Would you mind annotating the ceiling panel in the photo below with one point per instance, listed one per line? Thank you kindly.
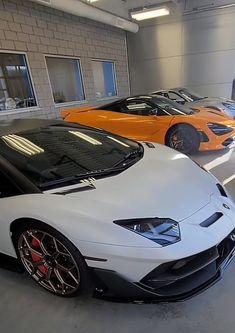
(122, 7)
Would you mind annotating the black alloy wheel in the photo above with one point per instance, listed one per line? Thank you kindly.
(183, 138)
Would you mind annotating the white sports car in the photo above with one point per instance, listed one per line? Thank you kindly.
(83, 209)
(193, 100)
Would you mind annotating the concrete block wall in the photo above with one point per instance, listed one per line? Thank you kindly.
(39, 31)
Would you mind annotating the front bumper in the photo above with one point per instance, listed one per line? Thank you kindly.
(169, 282)
(210, 141)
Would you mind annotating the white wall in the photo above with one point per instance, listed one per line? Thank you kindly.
(196, 50)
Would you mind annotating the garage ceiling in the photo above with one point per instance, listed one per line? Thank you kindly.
(122, 7)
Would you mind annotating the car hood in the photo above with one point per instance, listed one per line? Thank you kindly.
(164, 183)
(211, 115)
(210, 101)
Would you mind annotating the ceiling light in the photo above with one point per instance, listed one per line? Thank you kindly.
(86, 137)
(92, 1)
(118, 141)
(146, 14)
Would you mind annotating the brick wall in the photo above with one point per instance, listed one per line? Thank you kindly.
(38, 30)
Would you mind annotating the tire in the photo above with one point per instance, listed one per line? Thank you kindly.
(183, 138)
(51, 260)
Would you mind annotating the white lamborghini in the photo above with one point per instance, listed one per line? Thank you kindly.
(85, 210)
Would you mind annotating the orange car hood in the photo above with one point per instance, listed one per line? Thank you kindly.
(213, 116)
(66, 112)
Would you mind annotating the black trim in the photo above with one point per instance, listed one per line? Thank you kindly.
(95, 259)
(149, 144)
(171, 282)
(77, 189)
(228, 142)
(203, 136)
(24, 185)
(211, 220)
(10, 263)
(222, 190)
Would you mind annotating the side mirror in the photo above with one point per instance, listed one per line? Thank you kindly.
(153, 112)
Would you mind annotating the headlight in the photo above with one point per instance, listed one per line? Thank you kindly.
(219, 129)
(159, 230)
(230, 106)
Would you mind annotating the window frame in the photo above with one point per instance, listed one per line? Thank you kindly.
(28, 109)
(141, 101)
(11, 182)
(72, 103)
(176, 93)
(114, 76)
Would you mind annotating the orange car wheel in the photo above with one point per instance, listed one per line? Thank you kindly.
(183, 138)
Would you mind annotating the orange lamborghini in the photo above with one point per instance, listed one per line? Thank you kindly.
(158, 119)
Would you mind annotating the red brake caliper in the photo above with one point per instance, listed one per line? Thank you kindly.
(36, 258)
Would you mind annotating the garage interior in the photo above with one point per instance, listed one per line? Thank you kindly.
(57, 54)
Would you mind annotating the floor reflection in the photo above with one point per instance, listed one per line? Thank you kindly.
(221, 164)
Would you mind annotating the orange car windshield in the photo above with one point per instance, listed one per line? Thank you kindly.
(172, 108)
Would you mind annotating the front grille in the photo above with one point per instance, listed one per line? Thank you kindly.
(183, 276)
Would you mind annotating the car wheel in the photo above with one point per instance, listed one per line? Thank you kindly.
(183, 138)
(51, 260)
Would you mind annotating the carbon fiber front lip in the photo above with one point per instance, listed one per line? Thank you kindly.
(121, 290)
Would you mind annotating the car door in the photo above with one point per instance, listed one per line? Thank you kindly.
(139, 119)
(8, 201)
(136, 121)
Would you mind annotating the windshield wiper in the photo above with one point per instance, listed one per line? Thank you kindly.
(118, 167)
(130, 156)
(79, 177)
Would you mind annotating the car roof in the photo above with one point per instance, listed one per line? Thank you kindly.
(21, 125)
(166, 90)
(129, 98)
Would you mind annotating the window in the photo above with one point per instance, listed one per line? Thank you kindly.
(56, 154)
(16, 89)
(7, 189)
(138, 107)
(104, 78)
(66, 79)
(173, 96)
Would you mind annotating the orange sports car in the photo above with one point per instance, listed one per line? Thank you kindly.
(158, 119)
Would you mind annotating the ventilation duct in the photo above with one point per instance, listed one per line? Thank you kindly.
(82, 9)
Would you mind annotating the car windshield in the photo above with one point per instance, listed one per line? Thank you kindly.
(61, 154)
(172, 108)
(189, 95)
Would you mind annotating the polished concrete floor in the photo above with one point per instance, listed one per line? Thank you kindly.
(25, 307)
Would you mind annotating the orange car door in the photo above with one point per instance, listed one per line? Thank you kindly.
(140, 122)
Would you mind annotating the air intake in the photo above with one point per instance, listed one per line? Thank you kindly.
(211, 220)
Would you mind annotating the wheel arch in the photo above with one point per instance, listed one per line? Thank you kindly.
(17, 222)
(175, 125)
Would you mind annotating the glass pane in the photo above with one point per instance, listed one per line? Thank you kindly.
(66, 80)
(58, 153)
(104, 79)
(16, 89)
